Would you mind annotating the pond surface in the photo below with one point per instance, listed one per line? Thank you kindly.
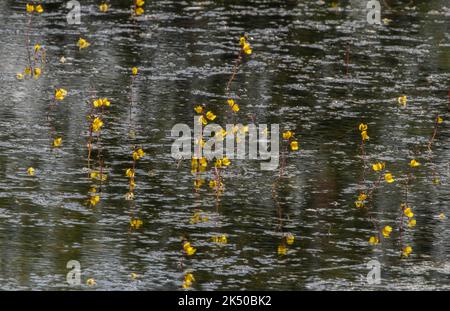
(296, 77)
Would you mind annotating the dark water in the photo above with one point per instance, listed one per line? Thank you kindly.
(296, 77)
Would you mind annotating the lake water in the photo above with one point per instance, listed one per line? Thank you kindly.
(296, 77)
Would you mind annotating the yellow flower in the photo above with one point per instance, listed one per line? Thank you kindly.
(202, 120)
(139, 11)
(290, 239)
(19, 76)
(37, 72)
(218, 163)
(363, 127)
(213, 183)
(226, 161)
(98, 176)
(188, 279)
(221, 239)
(247, 49)
(233, 105)
(359, 204)
(388, 177)
(94, 200)
(91, 282)
(189, 249)
(82, 43)
(138, 154)
(439, 120)
(37, 47)
(30, 171)
(104, 7)
(136, 223)
(30, 8)
(442, 216)
(140, 2)
(203, 161)
(129, 173)
(57, 142)
(386, 231)
(39, 8)
(287, 135)
(294, 145)
(436, 181)
(364, 136)
(362, 196)
(198, 109)
(129, 196)
(134, 71)
(407, 251)
(373, 240)
(97, 124)
(378, 166)
(414, 163)
(134, 276)
(198, 183)
(408, 213)
(27, 71)
(60, 94)
(211, 116)
(282, 249)
(412, 223)
(402, 100)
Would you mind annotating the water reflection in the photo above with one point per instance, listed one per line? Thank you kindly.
(296, 77)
